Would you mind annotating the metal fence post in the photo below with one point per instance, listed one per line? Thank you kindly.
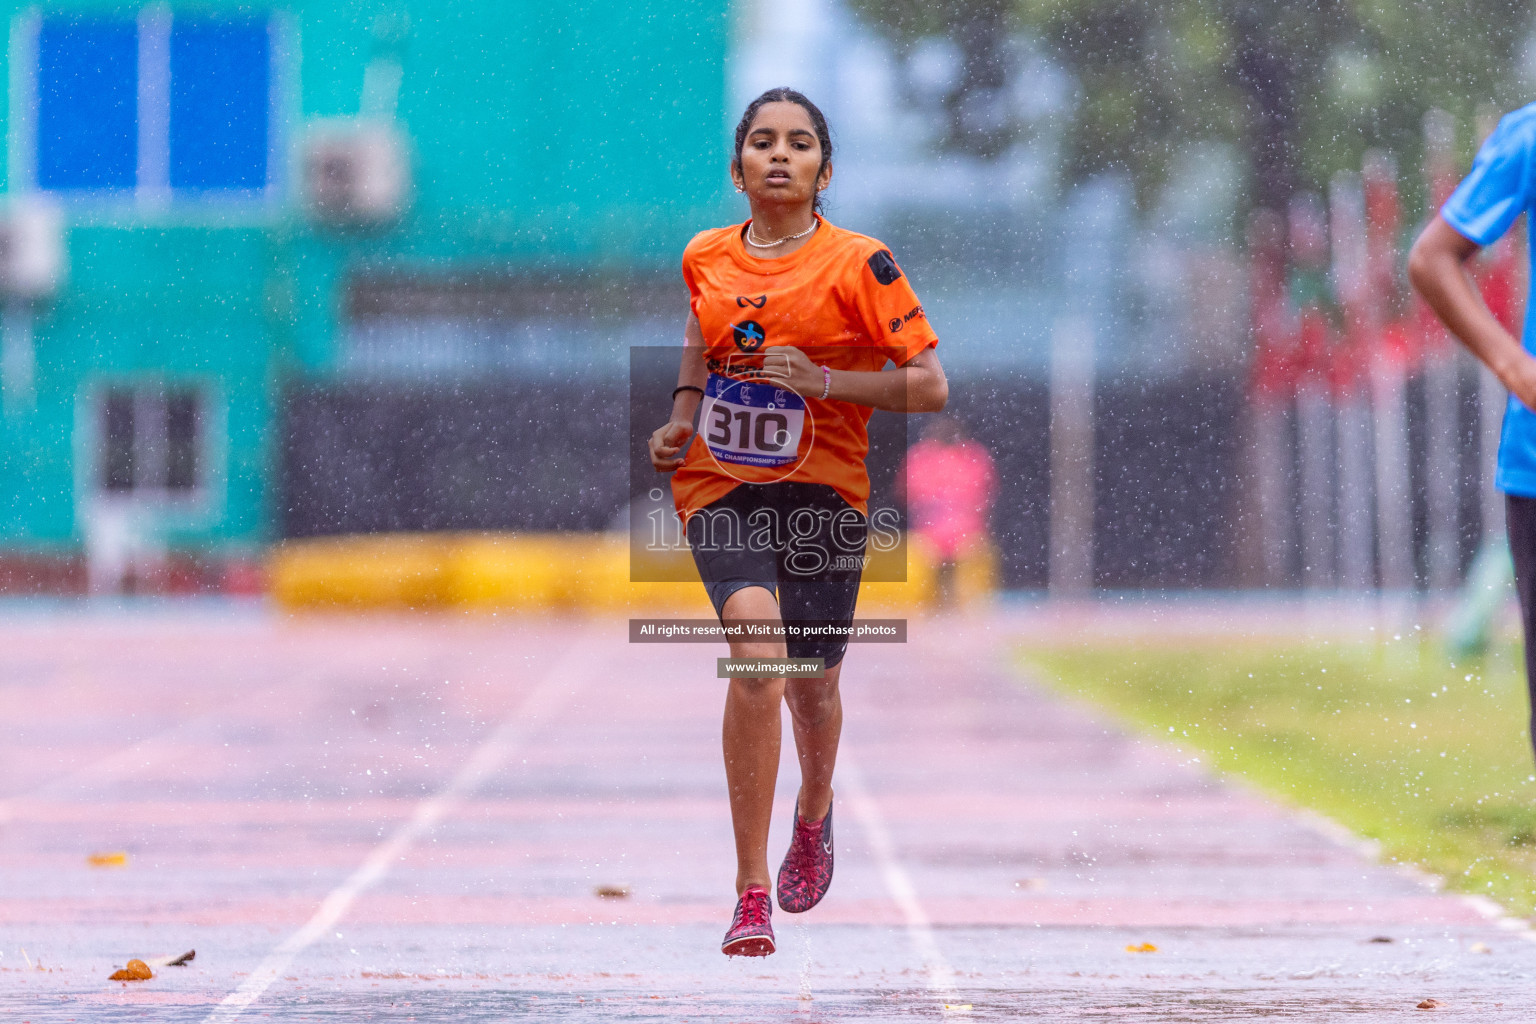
(1072, 492)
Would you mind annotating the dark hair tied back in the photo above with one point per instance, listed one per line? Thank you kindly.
(818, 124)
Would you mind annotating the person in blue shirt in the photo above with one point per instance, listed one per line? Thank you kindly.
(1500, 187)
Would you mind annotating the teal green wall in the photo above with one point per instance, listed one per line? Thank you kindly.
(583, 131)
(544, 134)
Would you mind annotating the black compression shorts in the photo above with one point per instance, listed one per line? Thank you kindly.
(802, 542)
(1520, 520)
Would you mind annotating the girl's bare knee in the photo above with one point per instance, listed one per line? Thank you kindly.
(812, 701)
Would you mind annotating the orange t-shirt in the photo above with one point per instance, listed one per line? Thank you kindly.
(842, 300)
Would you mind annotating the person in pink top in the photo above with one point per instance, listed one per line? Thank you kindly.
(949, 483)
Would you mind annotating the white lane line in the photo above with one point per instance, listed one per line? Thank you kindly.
(941, 977)
(112, 768)
(561, 682)
(146, 753)
(1499, 917)
(1371, 850)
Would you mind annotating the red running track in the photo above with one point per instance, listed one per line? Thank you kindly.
(408, 819)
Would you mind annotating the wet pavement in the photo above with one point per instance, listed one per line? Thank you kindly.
(412, 819)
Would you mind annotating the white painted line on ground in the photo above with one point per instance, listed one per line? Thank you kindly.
(1371, 850)
(557, 686)
(146, 753)
(1500, 917)
(941, 977)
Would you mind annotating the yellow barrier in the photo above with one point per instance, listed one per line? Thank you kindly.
(375, 571)
(546, 572)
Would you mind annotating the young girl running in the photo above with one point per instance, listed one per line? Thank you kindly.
(793, 322)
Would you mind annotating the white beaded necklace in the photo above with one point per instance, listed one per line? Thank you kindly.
(787, 238)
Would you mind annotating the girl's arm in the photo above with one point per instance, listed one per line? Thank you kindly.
(1437, 266)
(668, 441)
(917, 386)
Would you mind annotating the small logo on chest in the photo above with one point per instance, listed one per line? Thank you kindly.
(749, 335)
(743, 301)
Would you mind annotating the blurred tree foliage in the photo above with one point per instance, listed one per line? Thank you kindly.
(1301, 86)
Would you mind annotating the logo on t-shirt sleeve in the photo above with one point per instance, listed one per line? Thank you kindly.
(898, 322)
(883, 265)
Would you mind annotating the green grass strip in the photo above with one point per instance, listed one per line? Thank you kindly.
(1389, 739)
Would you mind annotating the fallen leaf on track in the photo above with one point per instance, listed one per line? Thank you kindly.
(137, 970)
(172, 961)
(612, 892)
(115, 859)
(1143, 947)
(1429, 1004)
(1479, 947)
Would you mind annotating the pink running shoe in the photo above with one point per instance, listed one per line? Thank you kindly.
(807, 869)
(751, 931)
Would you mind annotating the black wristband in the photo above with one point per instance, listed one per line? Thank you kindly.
(686, 387)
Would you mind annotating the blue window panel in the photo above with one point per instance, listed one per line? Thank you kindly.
(87, 103)
(220, 85)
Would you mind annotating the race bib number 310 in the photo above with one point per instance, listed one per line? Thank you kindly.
(751, 423)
